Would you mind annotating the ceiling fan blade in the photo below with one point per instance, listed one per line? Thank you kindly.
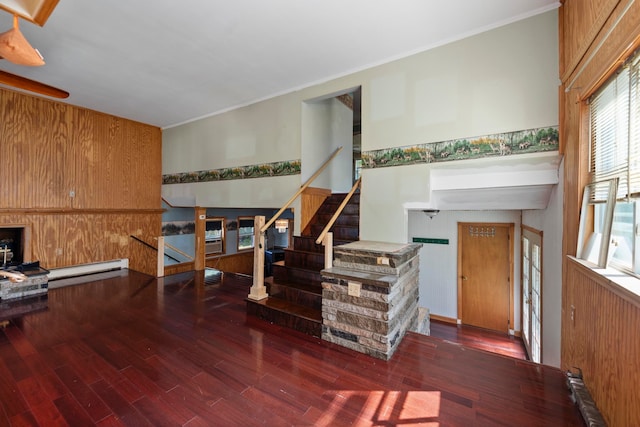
(31, 85)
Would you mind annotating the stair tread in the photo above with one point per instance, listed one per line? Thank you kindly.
(294, 267)
(291, 308)
(305, 287)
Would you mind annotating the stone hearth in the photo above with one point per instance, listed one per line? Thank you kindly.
(37, 282)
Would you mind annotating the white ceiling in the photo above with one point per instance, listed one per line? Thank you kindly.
(166, 62)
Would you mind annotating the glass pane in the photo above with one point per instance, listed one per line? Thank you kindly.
(622, 234)
(245, 233)
(536, 301)
(525, 290)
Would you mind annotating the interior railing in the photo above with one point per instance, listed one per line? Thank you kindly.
(326, 237)
(162, 253)
(258, 290)
(188, 258)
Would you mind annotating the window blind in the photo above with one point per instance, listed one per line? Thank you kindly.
(615, 132)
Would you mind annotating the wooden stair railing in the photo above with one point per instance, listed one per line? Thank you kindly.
(326, 237)
(173, 248)
(258, 289)
(161, 253)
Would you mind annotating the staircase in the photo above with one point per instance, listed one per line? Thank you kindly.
(295, 289)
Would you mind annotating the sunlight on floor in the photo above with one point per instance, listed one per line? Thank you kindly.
(398, 408)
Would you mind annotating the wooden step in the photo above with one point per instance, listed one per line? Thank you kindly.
(340, 232)
(307, 294)
(284, 273)
(307, 244)
(304, 259)
(343, 219)
(288, 314)
(349, 209)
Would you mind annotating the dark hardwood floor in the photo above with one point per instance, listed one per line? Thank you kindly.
(133, 350)
(480, 339)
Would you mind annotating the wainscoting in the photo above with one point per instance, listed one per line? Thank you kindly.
(600, 325)
(241, 263)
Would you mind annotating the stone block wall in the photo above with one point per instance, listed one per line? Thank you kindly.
(370, 296)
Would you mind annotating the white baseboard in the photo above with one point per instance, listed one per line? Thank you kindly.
(84, 269)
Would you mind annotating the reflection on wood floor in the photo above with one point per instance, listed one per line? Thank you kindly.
(135, 350)
(480, 339)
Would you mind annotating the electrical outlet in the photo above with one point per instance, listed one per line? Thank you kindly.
(353, 289)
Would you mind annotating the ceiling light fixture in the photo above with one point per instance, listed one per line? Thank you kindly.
(282, 225)
(431, 212)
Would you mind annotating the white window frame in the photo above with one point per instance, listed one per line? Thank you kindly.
(614, 124)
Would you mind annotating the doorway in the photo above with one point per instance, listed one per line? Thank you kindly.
(485, 269)
(532, 292)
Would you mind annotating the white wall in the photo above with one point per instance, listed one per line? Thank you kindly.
(502, 80)
(327, 125)
(550, 222)
(499, 81)
(439, 263)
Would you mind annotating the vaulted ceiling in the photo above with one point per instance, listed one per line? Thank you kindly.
(165, 62)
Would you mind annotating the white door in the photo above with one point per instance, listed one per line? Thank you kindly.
(532, 292)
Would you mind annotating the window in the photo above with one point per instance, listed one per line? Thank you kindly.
(214, 236)
(245, 233)
(615, 153)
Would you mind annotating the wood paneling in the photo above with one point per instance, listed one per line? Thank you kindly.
(179, 268)
(582, 20)
(241, 262)
(600, 336)
(311, 199)
(81, 181)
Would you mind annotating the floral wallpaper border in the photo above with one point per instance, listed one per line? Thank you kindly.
(283, 168)
(502, 144)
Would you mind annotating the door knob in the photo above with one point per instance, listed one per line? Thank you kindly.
(464, 277)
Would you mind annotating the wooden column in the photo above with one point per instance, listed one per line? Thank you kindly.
(201, 216)
(160, 270)
(258, 290)
(328, 250)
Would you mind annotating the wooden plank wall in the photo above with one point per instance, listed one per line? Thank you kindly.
(310, 201)
(602, 336)
(241, 262)
(81, 181)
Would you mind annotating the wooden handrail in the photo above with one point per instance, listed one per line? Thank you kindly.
(300, 190)
(173, 248)
(152, 247)
(338, 212)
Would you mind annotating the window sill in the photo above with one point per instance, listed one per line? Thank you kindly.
(618, 282)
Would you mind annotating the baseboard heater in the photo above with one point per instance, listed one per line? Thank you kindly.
(581, 397)
(65, 274)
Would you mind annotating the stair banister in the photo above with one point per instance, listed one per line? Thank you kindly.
(173, 248)
(300, 190)
(338, 212)
(258, 290)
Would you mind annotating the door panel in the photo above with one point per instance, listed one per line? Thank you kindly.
(526, 292)
(484, 279)
(532, 293)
